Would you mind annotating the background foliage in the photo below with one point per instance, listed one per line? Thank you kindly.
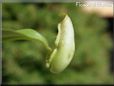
(24, 61)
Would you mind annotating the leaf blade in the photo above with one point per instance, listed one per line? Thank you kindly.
(24, 34)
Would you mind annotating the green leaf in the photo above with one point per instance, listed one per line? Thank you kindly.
(24, 34)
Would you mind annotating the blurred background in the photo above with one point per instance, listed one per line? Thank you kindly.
(24, 61)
